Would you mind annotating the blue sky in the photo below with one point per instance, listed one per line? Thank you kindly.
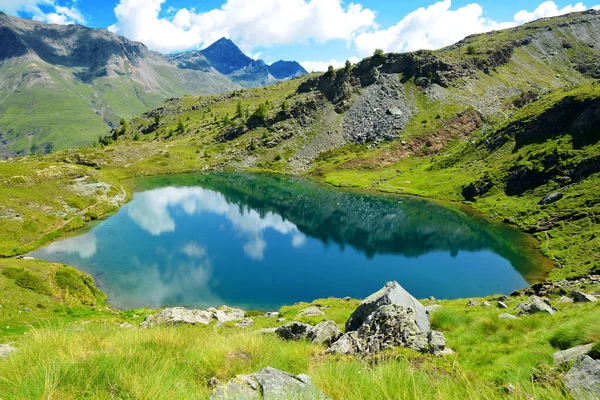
(314, 32)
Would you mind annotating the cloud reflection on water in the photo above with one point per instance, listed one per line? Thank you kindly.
(85, 246)
(152, 214)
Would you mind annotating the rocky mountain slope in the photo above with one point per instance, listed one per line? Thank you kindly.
(229, 60)
(64, 86)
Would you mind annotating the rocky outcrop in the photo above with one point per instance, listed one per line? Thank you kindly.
(580, 297)
(563, 357)
(181, 315)
(535, 305)
(323, 333)
(392, 293)
(268, 383)
(583, 380)
(388, 327)
(558, 288)
(177, 316)
(6, 350)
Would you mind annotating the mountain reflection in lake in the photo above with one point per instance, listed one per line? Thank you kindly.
(260, 242)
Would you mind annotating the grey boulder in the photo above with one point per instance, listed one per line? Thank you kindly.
(324, 333)
(269, 384)
(176, 316)
(227, 314)
(535, 305)
(388, 327)
(563, 357)
(391, 293)
(293, 330)
(583, 380)
(580, 297)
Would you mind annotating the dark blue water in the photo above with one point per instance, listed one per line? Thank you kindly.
(260, 242)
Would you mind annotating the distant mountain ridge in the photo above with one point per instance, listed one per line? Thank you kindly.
(63, 86)
(229, 60)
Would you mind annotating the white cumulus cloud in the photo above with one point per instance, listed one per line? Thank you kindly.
(249, 23)
(57, 14)
(439, 25)
(320, 66)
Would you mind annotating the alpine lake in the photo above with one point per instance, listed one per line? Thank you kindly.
(261, 241)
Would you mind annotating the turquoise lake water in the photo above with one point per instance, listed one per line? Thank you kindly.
(260, 242)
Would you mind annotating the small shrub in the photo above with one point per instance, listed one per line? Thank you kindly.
(567, 337)
(27, 280)
(68, 278)
(471, 50)
(254, 313)
(136, 137)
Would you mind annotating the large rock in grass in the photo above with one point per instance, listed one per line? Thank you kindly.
(177, 316)
(580, 297)
(269, 384)
(535, 305)
(324, 333)
(389, 326)
(6, 350)
(563, 357)
(293, 331)
(583, 380)
(392, 293)
(227, 314)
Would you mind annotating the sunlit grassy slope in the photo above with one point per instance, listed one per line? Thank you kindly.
(70, 346)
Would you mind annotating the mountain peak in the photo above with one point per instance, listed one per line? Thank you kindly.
(225, 56)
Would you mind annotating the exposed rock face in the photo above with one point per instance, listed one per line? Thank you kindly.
(324, 333)
(558, 288)
(379, 114)
(176, 316)
(390, 326)
(535, 305)
(293, 331)
(583, 380)
(269, 383)
(312, 312)
(580, 297)
(227, 314)
(392, 293)
(6, 350)
(563, 357)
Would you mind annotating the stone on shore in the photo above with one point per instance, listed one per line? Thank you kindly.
(268, 383)
(391, 294)
(227, 314)
(177, 316)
